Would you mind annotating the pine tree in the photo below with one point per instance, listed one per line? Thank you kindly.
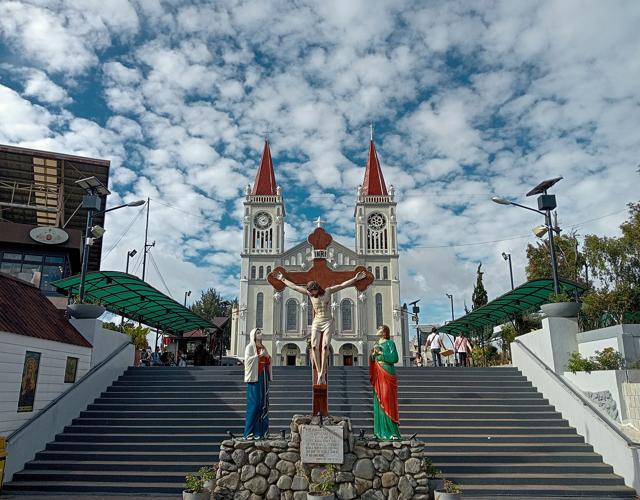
(479, 297)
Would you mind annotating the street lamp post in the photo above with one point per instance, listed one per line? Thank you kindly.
(186, 294)
(130, 254)
(546, 203)
(507, 256)
(450, 295)
(92, 202)
(416, 310)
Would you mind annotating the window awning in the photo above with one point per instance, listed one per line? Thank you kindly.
(528, 297)
(128, 295)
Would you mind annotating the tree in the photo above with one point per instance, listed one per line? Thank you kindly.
(568, 256)
(138, 334)
(614, 263)
(212, 304)
(479, 297)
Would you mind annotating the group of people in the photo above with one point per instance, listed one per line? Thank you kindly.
(382, 358)
(162, 358)
(462, 348)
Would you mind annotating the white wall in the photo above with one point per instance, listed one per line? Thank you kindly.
(28, 440)
(598, 432)
(53, 360)
(606, 380)
(554, 343)
(623, 338)
(104, 341)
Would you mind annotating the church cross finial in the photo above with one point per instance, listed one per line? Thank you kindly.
(266, 132)
(319, 222)
(371, 130)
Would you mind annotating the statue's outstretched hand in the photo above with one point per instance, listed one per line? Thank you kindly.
(361, 275)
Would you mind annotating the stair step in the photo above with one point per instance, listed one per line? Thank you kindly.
(488, 429)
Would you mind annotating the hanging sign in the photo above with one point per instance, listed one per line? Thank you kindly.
(49, 235)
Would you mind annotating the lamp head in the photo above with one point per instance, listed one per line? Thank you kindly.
(505, 256)
(500, 201)
(132, 252)
(136, 203)
(540, 230)
(98, 231)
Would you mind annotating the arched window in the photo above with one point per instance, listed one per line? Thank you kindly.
(309, 311)
(259, 309)
(261, 273)
(292, 315)
(385, 273)
(379, 320)
(377, 272)
(253, 272)
(369, 269)
(346, 314)
(268, 270)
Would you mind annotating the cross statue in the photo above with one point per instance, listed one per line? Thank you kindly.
(319, 283)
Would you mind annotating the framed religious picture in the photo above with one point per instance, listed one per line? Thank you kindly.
(71, 370)
(27, 396)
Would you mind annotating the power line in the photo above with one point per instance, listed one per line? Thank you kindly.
(133, 220)
(155, 266)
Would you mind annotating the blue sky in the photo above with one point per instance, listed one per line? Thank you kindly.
(469, 100)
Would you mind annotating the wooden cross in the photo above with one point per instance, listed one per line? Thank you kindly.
(326, 277)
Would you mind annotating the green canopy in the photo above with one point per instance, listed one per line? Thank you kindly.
(128, 295)
(527, 297)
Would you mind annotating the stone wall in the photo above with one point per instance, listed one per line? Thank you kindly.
(272, 468)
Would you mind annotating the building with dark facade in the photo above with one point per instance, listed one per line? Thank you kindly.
(41, 226)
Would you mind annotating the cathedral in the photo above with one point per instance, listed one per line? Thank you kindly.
(285, 317)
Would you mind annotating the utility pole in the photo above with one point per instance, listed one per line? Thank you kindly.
(146, 245)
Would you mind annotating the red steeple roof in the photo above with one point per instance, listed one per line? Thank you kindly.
(373, 184)
(265, 178)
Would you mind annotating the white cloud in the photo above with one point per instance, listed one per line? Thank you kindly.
(468, 101)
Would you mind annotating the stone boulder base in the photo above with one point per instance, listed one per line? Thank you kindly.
(273, 469)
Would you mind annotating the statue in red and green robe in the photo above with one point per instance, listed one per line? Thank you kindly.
(383, 378)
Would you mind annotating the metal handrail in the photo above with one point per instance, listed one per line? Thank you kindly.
(583, 399)
(85, 377)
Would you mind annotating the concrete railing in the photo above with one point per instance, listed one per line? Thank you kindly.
(32, 436)
(617, 449)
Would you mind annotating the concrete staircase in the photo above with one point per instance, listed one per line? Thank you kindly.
(487, 429)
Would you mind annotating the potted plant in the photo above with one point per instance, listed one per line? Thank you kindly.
(85, 309)
(323, 490)
(194, 488)
(561, 305)
(208, 475)
(451, 491)
(434, 477)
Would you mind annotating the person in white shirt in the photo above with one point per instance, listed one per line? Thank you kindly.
(435, 343)
(463, 348)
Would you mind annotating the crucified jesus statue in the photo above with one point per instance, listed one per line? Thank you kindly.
(322, 326)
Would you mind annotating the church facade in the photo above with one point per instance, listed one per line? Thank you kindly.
(285, 317)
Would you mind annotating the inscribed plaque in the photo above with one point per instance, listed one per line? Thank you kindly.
(321, 444)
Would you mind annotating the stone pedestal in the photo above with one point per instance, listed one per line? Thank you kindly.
(273, 468)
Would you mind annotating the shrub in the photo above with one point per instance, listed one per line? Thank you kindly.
(579, 364)
(608, 359)
(194, 483)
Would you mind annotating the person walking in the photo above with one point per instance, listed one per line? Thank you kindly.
(436, 344)
(463, 348)
(155, 357)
